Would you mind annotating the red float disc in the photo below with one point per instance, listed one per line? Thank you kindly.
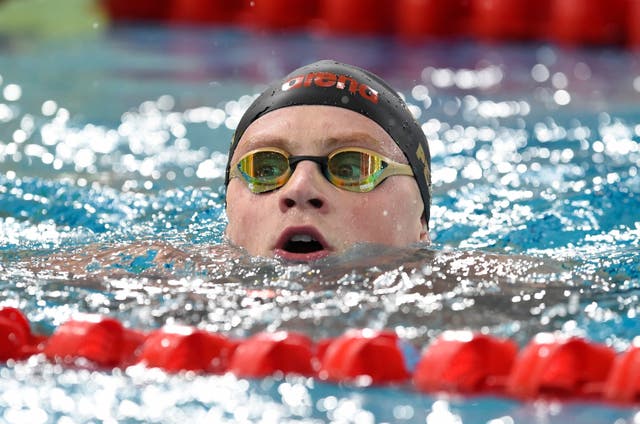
(633, 24)
(95, 338)
(138, 10)
(508, 19)
(358, 16)
(559, 367)
(282, 14)
(368, 354)
(623, 383)
(465, 362)
(587, 21)
(267, 353)
(418, 18)
(14, 333)
(180, 348)
(201, 12)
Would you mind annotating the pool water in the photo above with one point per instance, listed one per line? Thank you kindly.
(119, 138)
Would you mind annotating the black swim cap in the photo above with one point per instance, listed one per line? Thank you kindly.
(332, 83)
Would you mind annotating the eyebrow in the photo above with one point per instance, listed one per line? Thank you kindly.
(359, 138)
(356, 139)
(266, 141)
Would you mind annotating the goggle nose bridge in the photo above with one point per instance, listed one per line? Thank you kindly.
(323, 161)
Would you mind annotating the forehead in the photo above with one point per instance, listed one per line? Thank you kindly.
(316, 130)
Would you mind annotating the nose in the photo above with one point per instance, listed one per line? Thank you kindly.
(304, 189)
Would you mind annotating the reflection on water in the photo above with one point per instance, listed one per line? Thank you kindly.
(112, 152)
(417, 292)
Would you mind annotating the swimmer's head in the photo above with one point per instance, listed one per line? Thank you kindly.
(330, 83)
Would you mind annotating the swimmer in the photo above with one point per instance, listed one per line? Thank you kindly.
(328, 157)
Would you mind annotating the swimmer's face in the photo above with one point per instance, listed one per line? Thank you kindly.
(309, 218)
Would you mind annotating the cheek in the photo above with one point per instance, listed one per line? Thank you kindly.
(368, 217)
(240, 213)
(390, 216)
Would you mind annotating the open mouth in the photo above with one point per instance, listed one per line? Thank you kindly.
(302, 244)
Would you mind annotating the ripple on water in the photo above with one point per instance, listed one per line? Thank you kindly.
(125, 217)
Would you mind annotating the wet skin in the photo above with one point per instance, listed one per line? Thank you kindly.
(308, 208)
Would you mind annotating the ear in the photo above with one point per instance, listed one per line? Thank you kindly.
(424, 233)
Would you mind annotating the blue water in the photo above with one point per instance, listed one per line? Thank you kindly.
(113, 146)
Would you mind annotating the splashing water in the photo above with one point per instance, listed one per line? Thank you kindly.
(111, 162)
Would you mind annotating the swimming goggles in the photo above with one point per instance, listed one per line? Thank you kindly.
(352, 168)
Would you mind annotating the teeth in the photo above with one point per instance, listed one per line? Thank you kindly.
(303, 238)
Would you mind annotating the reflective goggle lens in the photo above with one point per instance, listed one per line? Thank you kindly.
(352, 169)
(264, 170)
(355, 170)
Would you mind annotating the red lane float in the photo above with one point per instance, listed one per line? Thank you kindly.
(181, 348)
(507, 19)
(465, 362)
(103, 341)
(578, 22)
(16, 340)
(139, 10)
(632, 23)
(201, 12)
(364, 17)
(550, 366)
(440, 18)
(372, 355)
(557, 366)
(265, 354)
(588, 21)
(623, 383)
(281, 14)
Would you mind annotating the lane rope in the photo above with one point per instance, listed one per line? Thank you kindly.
(568, 22)
(470, 363)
